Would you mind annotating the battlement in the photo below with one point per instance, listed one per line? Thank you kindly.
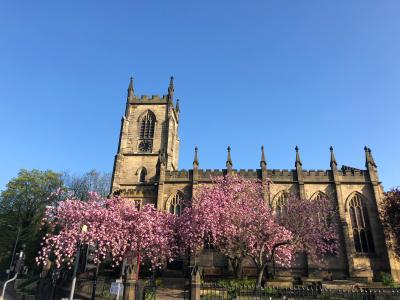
(249, 173)
(178, 175)
(353, 172)
(276, 175)
(149, 99)
(316, 173)
(283, 172)
(208, 173)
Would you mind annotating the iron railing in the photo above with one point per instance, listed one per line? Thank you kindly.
(216, 292)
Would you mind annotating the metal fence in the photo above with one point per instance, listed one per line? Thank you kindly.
(215, 292)
(85, 286)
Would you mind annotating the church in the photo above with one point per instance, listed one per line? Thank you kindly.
(146, 171)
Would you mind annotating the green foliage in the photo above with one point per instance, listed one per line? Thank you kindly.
(158, 282)
(231, 284)
(22, 205)
(387, 280)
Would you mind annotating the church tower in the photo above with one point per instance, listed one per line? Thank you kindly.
(148, 140)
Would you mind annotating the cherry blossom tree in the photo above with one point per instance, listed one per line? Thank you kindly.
(232, 215)
(313, 224)
(115, 226)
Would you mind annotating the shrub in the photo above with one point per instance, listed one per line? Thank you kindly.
(387, 280)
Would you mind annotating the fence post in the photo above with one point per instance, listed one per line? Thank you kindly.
(195, 284)
(140, 285)
(130, 280)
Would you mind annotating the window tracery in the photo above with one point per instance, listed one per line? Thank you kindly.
(146, 132)
(360, 225)
(176, 204)
(279, 203)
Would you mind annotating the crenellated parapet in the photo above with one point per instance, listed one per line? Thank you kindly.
(181, 175)
(275, 175)
(149, 99)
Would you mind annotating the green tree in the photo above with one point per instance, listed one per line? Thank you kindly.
(22, 206)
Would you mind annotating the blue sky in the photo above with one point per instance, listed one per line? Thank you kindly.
(314, 73)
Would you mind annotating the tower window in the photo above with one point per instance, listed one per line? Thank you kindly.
(146, 132)
(360, 225)
(147, 126)
(142, 175)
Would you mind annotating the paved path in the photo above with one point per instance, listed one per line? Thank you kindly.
(172, 288)
(169, 294)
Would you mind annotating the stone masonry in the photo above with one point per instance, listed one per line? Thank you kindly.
(146, 171)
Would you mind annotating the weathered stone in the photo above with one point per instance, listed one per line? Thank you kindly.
(164, 181)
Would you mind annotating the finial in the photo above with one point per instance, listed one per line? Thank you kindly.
(298, 160)
(333, 159)
(371, 158)
(130, 89)
(171, 89)
(229, 163)
(367, 160)
(177, 105)
(196, 159)
(263, 162)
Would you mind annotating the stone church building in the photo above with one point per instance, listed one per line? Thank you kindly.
(146, 171)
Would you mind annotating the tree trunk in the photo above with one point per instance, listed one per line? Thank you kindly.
(260, 276)
(237, 267)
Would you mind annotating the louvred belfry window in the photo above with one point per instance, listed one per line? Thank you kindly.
(147, 126)
(360, 225)
(146, 132)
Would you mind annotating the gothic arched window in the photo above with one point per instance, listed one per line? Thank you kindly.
(279, 203)
(138, 204)
(146, 131)
(327, 219)
(360, 225)
(319, 195)
(142, 175)
(176, 204)
(147, 126)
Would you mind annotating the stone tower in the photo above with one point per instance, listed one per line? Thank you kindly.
(148, 139)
